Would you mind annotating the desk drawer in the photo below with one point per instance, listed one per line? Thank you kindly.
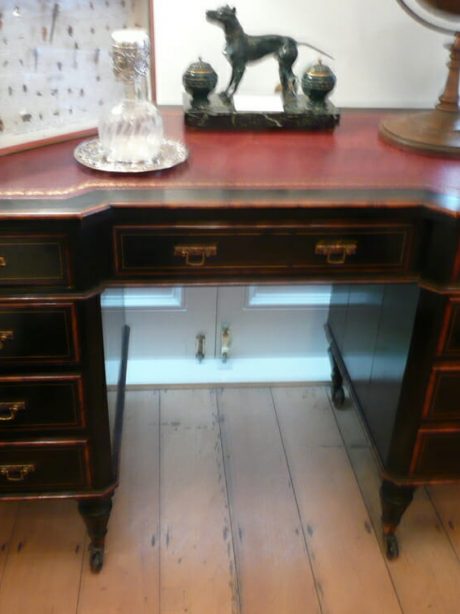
(443, 395)
(437, 454)
(33, 260)
(44, 333)
(44, 466)
(158, 251)
(449, 341)
(41, 402)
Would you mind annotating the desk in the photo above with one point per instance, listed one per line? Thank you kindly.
(342, 207)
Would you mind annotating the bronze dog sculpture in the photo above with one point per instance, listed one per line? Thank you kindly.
(242, 48)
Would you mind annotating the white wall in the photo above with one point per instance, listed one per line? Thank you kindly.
(383, 58)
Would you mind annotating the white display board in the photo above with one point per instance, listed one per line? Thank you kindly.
(56, 73)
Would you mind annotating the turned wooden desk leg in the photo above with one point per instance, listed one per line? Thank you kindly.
(395, 500)
(96, 513)
(337, 391)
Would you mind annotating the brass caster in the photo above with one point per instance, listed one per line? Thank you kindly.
(391, 546)
(338, 397)
(96, 559)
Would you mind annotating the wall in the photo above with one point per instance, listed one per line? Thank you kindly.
(382, 57)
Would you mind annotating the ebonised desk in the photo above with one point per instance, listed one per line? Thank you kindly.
(342, 207)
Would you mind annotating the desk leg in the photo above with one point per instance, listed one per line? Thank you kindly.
(395, 500)
(96, 513)
(337, 391)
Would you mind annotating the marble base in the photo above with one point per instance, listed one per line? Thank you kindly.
(299, 114)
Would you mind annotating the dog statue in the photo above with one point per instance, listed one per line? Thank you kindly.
(242, 48)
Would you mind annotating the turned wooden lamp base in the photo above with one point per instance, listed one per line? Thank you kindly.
(431, 131)
(436, 131)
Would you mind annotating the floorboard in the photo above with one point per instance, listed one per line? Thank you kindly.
(446, 501)
(197, 563)
(8, 514)
(237, 501)
(347, 562)
(273, 564)
(130, 580)
(426, 575)
(42, 572)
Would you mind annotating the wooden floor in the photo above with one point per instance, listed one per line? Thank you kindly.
(237, 500)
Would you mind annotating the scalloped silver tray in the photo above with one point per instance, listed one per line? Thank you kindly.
(171, 154)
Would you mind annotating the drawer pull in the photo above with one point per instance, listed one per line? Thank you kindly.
(2, 261)
(10, 409)
(195, 255)
(5, 335)
(16, 473)
(336, 252)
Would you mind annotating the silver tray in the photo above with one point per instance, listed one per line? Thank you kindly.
(171, 154)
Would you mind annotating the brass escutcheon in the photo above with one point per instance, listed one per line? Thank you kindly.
(5, 335)
(16, 473)
(195, 255)
(10, 409)
(336, 252)
(2, 261)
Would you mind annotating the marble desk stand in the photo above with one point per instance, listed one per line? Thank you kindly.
(299, 114)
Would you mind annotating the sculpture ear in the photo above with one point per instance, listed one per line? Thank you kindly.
(234, 10)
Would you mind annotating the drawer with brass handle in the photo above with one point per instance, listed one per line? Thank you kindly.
(38, 333)
(33, 260)
(238, 251)
(44, 402)
(44, 466)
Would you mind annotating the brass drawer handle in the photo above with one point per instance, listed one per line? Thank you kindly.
(336, 252)
(2, 261)
(10, 409)
(5, 335)
(16, 473)
(195, 255)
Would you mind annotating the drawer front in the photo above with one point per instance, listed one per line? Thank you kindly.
(38, 333)
(354, 249)
(44, 466)
(449, 343)
(437, 454)
(33, 260)
(443, 395)
(41, 402)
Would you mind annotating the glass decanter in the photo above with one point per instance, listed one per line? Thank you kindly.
(132, 131)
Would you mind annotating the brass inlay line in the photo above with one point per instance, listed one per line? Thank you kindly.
(345, 182)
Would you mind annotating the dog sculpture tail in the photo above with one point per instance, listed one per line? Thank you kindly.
(315, 49)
